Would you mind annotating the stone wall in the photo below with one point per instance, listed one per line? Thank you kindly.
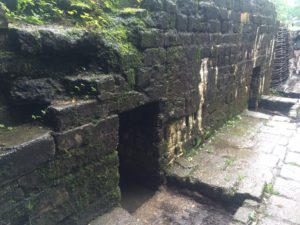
(206, 53)
(68, 99)
(282, 55)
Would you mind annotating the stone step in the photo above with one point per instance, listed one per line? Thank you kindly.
(117, 216)
(278, 99)
(23, 149)
(93, 83)
(287, 106)
(67, 114)
(235, 164)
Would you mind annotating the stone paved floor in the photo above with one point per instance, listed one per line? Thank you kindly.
(168, 206)
(282, 203)
(292, 85)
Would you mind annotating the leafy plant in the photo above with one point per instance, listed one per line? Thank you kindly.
(232, 122)
(269, 188)
(29, 206)
(35, 117)
(3, 126)
(228, 163)
(287, 10)
(252, 217)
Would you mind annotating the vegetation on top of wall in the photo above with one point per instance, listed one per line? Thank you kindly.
(113, 19)
(288, 10)
(88, 13)
(95, 15)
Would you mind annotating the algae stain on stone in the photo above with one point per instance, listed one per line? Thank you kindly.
(202, 89)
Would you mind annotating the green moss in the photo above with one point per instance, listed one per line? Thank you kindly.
(88, 15)
(131, 11)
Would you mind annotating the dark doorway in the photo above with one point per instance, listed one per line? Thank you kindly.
(139, 154)
(254, 88)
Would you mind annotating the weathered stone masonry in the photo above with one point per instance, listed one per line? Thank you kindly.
(203, 62)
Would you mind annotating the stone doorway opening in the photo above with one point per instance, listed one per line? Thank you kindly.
(138, 151)
(254, 88)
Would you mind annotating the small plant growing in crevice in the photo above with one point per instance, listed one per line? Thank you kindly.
(228, 162)
(269, 189)
(275, 92)
(294, 164)
(29, 206)
(39, 116)
(232, 122)
(3, 126)
(252, 217)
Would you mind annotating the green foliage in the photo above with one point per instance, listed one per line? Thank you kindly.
(99, 16)
(40, 115)
(287, 10)
(228, 163)
(269, 188)
(29, 206)
(252, 217)
(3, 126)
(232, 122)
(88, 13)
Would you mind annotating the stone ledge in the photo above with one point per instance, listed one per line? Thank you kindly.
(104, 133)
(65, 115)
(19, 159)
(229, 167)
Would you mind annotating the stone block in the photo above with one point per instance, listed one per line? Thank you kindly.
(214, 26)
(36, 91)
(21, 159)
(154, 56)
(290, 172)
(104, 133)
(281, 208)
(287, 188)
(195, 24)
(209, 11)
(91, 84)
(164, 20)
(243, 214)
(181, 22)
(170, 6)
(185, 38)
(224, 15)
(152, 39)
(143, 78)
(225, 27)
(3, 20)
(27, 41)
(152, 5)
(270, 221)
(175, 55)
(187, 7)
(64, 115)
(171, 39)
